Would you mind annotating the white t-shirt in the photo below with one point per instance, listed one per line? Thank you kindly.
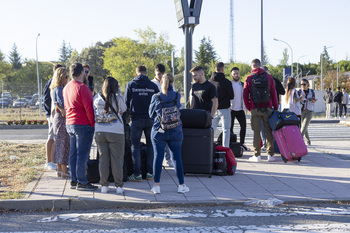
(236, 103)
(158, 83)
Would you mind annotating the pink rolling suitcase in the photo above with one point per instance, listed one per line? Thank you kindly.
(290, 143)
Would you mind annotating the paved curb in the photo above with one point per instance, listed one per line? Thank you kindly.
(24, 127)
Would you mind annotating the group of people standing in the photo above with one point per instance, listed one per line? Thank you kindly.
(340, 100)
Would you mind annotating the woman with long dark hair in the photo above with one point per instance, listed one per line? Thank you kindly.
(292, 98)
(109, 133)
(166, 132)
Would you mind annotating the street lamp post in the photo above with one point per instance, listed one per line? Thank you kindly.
(262, 34)
(290, 51)
(298, 81)
(37, 72)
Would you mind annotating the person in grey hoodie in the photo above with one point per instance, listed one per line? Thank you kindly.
(225, 95)
(109, 136)
(138, 95)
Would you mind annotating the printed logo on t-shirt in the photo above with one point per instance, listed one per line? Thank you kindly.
(142, 91)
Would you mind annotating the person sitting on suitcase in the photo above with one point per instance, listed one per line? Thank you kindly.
(237, 107)
(225, 94)
(260, 98)
(167, 130)
(138, 94)
(203, 93)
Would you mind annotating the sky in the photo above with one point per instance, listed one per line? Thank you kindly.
(306, 25)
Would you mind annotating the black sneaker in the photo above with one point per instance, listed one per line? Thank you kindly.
(86, 187)
(73, 184)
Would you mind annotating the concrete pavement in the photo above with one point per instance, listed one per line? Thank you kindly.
(322, 175)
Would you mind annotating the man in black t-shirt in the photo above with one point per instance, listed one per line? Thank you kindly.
(203, 93)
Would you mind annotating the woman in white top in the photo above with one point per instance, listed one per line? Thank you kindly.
(109, 134)
(292, 98)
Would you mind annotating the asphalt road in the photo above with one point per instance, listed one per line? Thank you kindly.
(232, 218)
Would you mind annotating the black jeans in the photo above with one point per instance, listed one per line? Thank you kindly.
(240, 115)
(345, 109)
(338, 108)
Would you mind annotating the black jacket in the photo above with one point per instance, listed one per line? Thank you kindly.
(224, 89)
(47, 98)
(279, 88)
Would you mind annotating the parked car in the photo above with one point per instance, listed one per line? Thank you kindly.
(20, 103)
(5, 102)
(6, 95)
(37, 103)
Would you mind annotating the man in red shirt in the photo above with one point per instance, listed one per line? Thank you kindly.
(80, 121)
(260, 111)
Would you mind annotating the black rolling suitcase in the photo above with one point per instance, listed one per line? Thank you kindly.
(197, 150)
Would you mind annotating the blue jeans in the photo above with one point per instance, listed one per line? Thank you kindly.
(80, 144)
(136, 128)
(173, 138)
(225, 116)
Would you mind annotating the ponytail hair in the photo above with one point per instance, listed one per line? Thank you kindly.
(290, 87)
(109, 90)
(167, 80)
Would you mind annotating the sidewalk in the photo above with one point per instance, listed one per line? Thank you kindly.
(322, 175)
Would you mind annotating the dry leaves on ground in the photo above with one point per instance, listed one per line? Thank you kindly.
(20, 164)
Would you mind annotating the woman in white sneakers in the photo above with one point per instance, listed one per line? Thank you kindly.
(109, 133)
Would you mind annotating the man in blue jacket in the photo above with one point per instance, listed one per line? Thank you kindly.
(138, 95)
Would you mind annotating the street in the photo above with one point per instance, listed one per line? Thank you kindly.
(229, 218)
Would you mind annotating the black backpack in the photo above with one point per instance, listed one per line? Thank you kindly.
(337, 97)
(260, 90)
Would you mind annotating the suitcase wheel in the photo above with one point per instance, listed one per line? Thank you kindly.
(299, 159)
(209, 176)
(284, 159)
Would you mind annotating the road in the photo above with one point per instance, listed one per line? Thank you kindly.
(232, 218)
(317, 131)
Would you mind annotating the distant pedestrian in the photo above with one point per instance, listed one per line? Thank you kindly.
(345, 102)
(62, 141)
(203, 93)
(328, 99)
(159, 72)
(80, 123)
(162, 136)
(49, 165)
(237, 107)
(138, 94)
(109, 135)
(308, 101)
(338, 98)
(292, 98)
(225, 95)
(260, 100)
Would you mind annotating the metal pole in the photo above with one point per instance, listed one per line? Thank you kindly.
(173, 67)
(337, 74)
(298, 81)
(262, 34)
(291, 50)
(321, 71)
(37, 71)
(188, 30)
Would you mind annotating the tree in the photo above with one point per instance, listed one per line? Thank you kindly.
(284, 61)
(125, 54)
(206, 55)
(93, 56)
(5, 68)
(65, 53)
(15, 58)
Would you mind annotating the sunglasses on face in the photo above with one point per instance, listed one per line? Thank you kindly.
(303, 84)
(87, 71)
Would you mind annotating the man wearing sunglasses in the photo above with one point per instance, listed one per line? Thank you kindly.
(89, 79)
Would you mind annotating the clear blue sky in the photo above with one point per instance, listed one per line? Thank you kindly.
(307, 25)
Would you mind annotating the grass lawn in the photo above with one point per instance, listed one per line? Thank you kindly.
(17, 114)
(19, 165)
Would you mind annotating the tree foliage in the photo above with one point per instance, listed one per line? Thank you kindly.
(125, 54)
(93, 56)
(206, 56)
(65, 53)
(15, 58)
(284, 60)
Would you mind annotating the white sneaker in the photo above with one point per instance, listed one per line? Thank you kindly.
(50, 166)
(183, 188)
(120, 190)
(271, 158)
(256, 159)
(156, 189)
(170, 163)
(104, 189)
(345, 117)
